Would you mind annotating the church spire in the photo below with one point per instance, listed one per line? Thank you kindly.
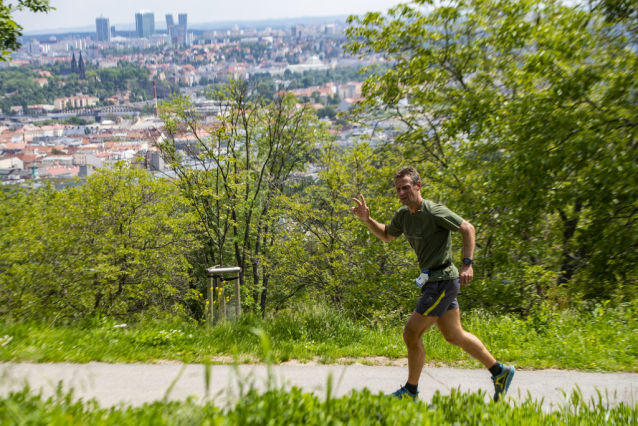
(74, 65)
(81, 68)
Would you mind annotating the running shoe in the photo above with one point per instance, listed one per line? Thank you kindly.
(403, 392)
(502, 381)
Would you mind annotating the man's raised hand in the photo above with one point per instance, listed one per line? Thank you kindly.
(361, 210)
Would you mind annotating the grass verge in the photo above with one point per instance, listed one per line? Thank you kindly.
(294, 407)
(600, 340)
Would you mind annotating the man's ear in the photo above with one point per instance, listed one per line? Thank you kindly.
(418, 184)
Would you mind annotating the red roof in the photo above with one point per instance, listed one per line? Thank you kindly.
(14, 146)
(103, 154)
(27, 158)
(61, 171)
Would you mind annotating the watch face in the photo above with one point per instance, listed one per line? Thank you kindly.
(467, 261)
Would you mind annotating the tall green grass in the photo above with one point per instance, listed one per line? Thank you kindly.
(279, 407)
(601, 339)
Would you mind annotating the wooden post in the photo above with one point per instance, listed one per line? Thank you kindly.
(222, 300)
(211, 300)
(237, 296)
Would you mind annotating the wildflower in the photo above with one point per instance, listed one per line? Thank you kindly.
(564, 343)
(593, 363)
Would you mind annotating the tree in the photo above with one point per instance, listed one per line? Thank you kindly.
(322, 252)
(328, 111)
(75, 121)
(521, 114)
(115, 246)
(231, 172)
(9, 29)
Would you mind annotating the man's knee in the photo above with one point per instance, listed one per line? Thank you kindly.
(411, 336)
(455, 338)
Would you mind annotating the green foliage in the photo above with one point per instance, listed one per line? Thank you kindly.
(75, 121)
(328, 111)
(278, 406)
(597, 339)
(115, 246)
(323, 249)
(102, 83)
(160, 338)
(9, 29)
(520, 121)
(231, 173)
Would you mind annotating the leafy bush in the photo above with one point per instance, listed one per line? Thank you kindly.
(115, 246)
(517, 120)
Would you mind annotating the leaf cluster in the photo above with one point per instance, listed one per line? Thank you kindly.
(521, 116)
(115, 246)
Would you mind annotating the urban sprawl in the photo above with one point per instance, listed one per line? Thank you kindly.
(82, 102)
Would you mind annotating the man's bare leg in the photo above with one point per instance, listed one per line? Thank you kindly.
(450, 326)
(412, 333)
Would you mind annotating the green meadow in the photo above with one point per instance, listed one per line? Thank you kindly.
(602, 339)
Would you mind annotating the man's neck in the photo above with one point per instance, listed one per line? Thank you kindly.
(414, 207)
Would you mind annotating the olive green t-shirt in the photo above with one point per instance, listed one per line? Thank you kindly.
(429, 233)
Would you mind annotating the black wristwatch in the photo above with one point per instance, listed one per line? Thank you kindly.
(468, 261)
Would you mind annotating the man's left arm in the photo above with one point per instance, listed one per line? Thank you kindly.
(467, 231)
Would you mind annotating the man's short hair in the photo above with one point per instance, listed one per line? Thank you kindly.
(408, 171)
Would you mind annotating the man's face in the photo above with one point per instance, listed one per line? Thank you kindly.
(408, 192)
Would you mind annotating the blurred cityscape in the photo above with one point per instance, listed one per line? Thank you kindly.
(71, 103)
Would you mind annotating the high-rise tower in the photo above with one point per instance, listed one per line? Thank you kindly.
(183, 24)
(103, 29)
(145, 23)
(170, 25)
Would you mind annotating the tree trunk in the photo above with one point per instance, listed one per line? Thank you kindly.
(568, 265)
(264, 294)
(240, 261)
(255, 265)
(264, 291)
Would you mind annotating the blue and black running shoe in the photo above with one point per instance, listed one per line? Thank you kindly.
(502, 381)
(403, 392)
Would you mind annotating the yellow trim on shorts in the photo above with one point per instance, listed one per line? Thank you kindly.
(435, 304)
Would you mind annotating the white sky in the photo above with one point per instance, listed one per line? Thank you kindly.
(81, 13)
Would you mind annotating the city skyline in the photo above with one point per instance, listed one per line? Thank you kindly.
(76, 13)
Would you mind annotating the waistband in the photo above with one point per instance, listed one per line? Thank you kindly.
(437, 268)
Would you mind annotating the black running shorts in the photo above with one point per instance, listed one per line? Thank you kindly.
(438, 297)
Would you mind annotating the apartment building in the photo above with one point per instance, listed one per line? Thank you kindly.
(79, 101)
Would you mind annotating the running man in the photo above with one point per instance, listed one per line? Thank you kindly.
(428, 228)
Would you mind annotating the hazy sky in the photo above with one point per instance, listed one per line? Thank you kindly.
(80, 13)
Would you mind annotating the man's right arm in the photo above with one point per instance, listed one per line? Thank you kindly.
(379, 230)
(363, 212)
